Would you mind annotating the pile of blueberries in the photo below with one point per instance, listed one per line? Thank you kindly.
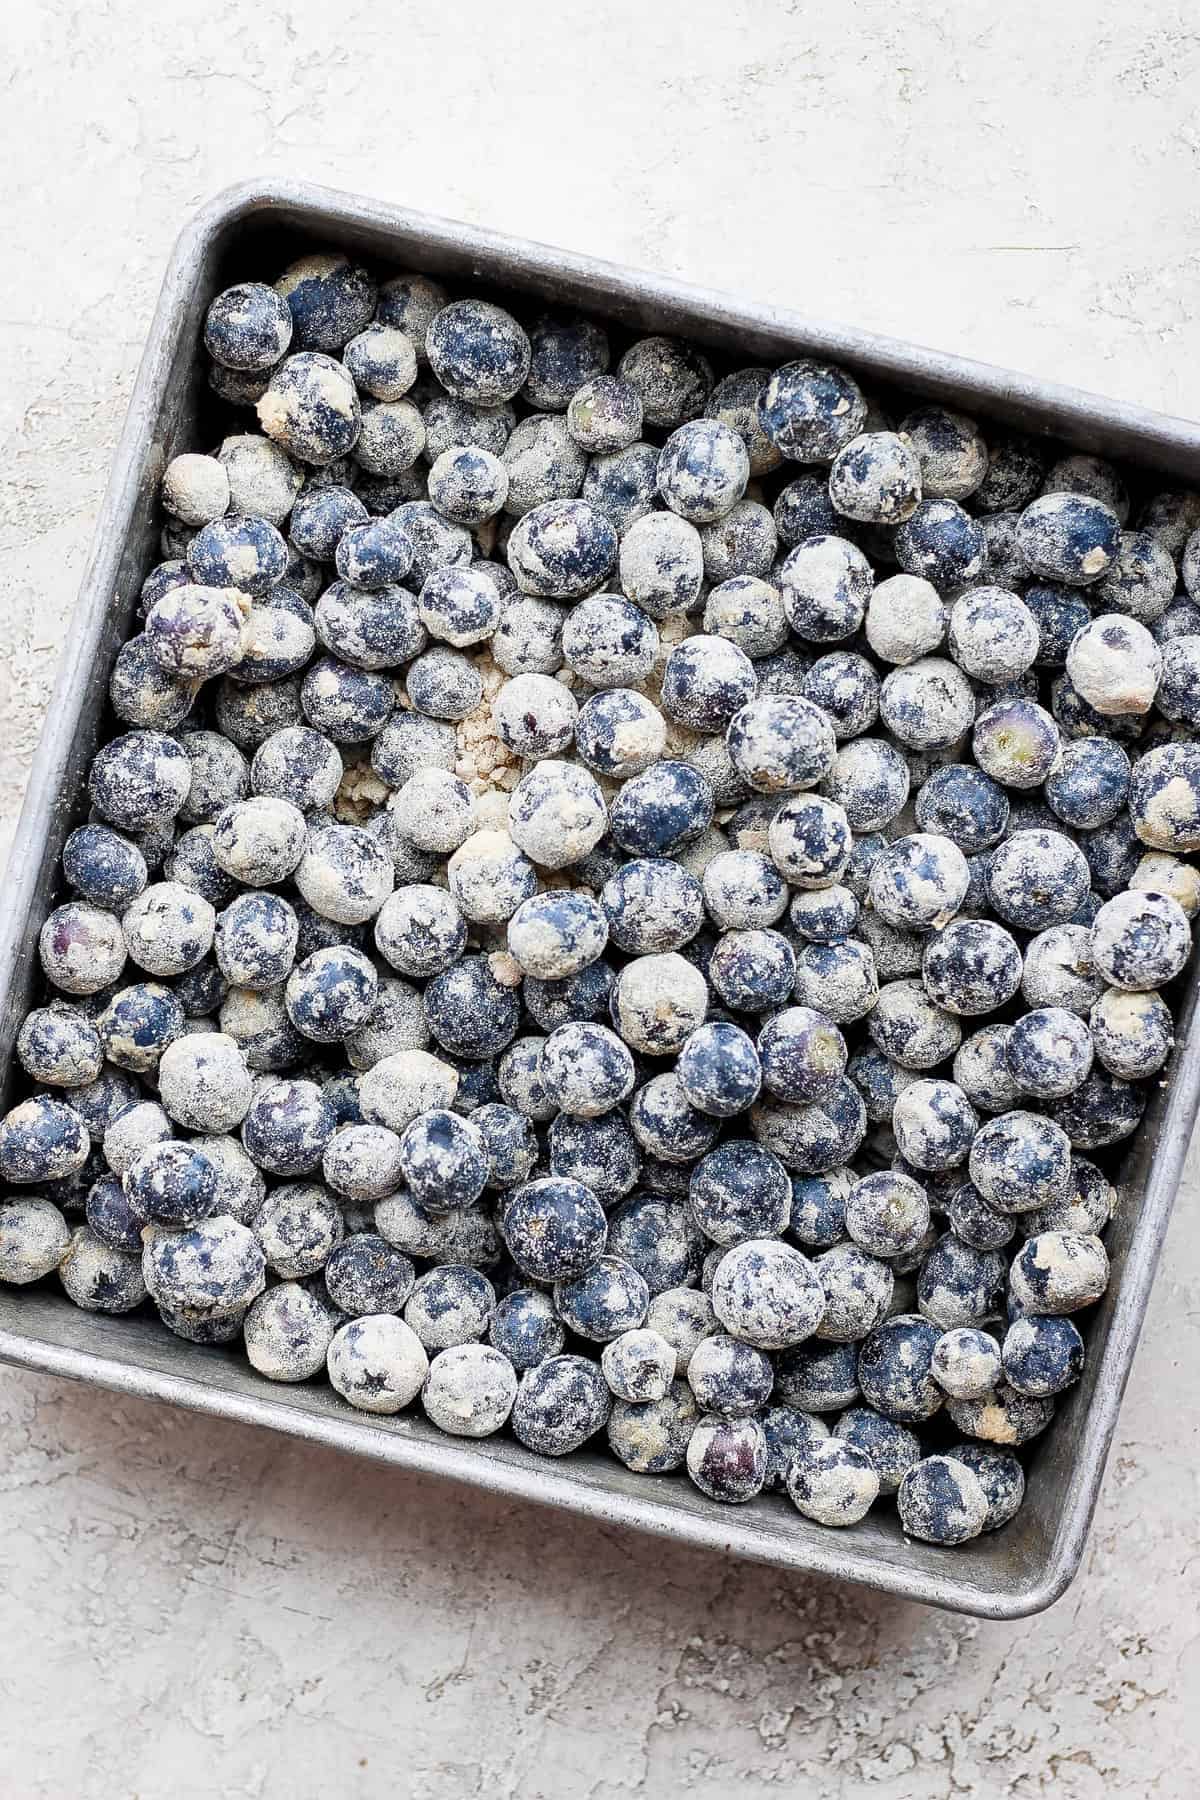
(622, 903)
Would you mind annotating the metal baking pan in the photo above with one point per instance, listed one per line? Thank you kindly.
(260, 226)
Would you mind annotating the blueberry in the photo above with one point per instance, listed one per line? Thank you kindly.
(605, 414)
(1020, 1161)
(469, 1012)
(288, 1127)
(942, 544)
(555, 1228)
(1043, 1356)
(727, 1458)
(610, 1298)
(525, 1328)
(601, 1153)
(826, 583)
(560, 1404)
(972, 967)
(562, 549)
(660, 1239)
(478, 352)
(1069, 538)
(331, 994)
(450, 1305)
(672, 380)
(895, 1369)
(891, 1448)
(248, 327)
(942, 1501)
(667, 1124)
(1037, 878)
(705, 682)
(810, 411)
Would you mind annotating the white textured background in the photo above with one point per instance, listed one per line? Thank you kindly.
(191, 1609)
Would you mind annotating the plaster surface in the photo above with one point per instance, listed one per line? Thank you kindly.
(191, 1608)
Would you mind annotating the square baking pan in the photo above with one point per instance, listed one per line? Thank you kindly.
(258, 226)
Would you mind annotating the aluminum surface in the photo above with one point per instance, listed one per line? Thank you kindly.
(1020, 1570)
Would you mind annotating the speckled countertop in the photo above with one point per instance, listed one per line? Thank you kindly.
(191, 1608)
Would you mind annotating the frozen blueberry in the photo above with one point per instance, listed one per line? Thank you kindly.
(310, 407)
(831, 1481)
(562, 549)
(298, 1225)
(841, 977)
(767, 1294)
(739, 1192)
(1043, 1356)
(702, 470)
(171, 1184)
(1164, 797)
(1049, 1052)
(1058, 1272)
(103, 866)
(658, 812)
(60, 1046)
(1069, 538)
(661, 564)
(560, 1403)
(1036, 879)
(727, 1458)
(601, 1153)
(139, 779)
(877, 478)
(1115, 666)
(741, 546)
(137, 1025)
(666, 1123)
(959, 1285)
(478, 352)
(869, 780)
(928, 705)
(557, 813)
(942, 544)
(331, 993)
(779, 744)
(1140, 580)
(554, 1228)
(887, 1214)
(942, 1501)
(41, 1140)
(97, 1277)
(846, 688)
(450, 1305)
(906, 619)
(729, 1377)
(672, 380)
(1016, 742)
(586, 1069)
(377, 1363)
(608, 1299)
(919, 882)
(972, 967)
(248, 327)
(1101, 1111)
(859, 1292)
(825, 583)
(1132, 1033)
(810, 841)
(190, 634)
(752, 971)
(288, 1126)
(1001, 1477)
(525, 1328)
(469, 1391)
(810, 411)
(469, 1012)
(718, 1070)
(705, 681)
(329, 299)
(1020, 1161)
(895, 1369)
(1141, 940)
(949, 449)
(604, 413)
(966, 1363)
